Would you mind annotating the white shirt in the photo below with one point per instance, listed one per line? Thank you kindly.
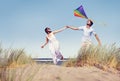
(87, 33)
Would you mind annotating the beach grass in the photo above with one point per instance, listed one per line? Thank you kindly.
(9, 60)
(106, 56)
(10, 57)
(16, 65)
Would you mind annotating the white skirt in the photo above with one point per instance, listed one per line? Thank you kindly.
(54, 48)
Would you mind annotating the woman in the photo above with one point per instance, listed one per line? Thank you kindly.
(53, 44)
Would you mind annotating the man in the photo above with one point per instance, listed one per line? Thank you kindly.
(87, 33)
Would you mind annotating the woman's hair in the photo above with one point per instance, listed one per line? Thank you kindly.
(46, 30)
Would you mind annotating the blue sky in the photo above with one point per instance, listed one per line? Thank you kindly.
(22, 23)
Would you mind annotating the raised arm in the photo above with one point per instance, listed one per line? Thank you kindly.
(73, 28)
(45, 43)
(98, 40)
(57, 31)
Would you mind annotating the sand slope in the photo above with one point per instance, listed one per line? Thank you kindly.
(60, 73)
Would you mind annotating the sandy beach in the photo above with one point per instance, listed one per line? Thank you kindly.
(46, 72)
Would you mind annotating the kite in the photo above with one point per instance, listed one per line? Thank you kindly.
(79, 12)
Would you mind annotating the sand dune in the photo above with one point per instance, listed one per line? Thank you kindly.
(60, 73)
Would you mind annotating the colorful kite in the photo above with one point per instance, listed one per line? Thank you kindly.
(79, 12)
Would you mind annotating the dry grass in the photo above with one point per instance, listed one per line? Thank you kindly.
(11, 59)
(17, 66)
(12, 56)
(104, 57)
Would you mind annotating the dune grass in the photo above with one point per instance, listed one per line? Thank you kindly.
(107, 56)
(9, 60)
(103, 57)
(13, 56)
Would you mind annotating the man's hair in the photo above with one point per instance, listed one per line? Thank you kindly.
(91, 22)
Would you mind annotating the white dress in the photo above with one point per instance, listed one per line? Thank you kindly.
(54, 48)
